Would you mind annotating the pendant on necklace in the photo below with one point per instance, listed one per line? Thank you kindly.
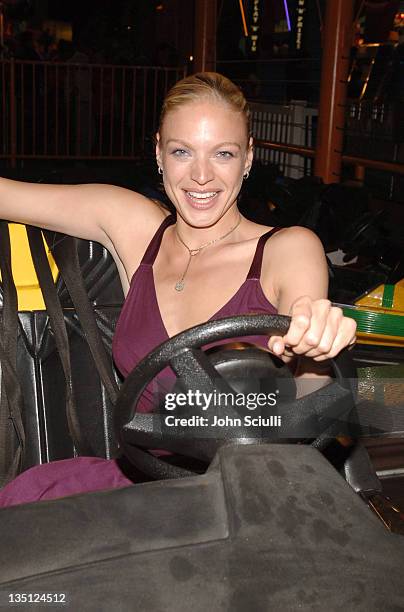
(179, 286)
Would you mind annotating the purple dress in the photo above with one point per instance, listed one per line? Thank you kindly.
(139, 330)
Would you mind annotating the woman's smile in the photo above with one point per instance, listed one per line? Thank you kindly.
(202, 200)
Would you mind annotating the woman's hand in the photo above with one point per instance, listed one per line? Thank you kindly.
(318, 330)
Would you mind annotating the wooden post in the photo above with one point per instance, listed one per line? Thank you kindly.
(13, 116)
(359, 173)
(1, 31)
(205, 36)
(337, 42)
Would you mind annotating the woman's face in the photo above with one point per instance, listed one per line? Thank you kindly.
(204, 151)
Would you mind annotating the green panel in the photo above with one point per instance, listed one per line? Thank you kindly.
(388, 296)
(371, 322)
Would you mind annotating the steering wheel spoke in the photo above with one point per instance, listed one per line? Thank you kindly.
(309, 416)
(196, 372)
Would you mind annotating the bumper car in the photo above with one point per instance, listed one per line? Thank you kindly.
(377, 298)
(380, 315)
(269, 523)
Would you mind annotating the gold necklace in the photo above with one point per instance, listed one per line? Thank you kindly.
(179, 285)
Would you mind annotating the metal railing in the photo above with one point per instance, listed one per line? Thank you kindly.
(55, 110)
(373, 149)
(291, 124)
(374, 130)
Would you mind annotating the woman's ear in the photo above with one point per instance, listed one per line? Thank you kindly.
(158, 149)
(250, 154)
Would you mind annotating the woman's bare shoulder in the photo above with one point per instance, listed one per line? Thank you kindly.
(294, 240)
(131, 202)
(294, 263)
(128, 215)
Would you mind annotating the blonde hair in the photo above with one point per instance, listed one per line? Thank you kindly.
(202, 85)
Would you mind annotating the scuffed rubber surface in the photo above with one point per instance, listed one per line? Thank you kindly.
(270, 527)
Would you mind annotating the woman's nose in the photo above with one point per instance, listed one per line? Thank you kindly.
(202, 171)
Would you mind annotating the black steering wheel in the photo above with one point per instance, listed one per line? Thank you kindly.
(318, 416)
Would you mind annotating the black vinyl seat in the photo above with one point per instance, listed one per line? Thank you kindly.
(40, 372)
(43, 384)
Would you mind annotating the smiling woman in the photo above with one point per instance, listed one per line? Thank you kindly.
(205, 263)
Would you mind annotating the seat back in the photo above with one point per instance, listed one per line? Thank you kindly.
(41, 375)
(43, 384)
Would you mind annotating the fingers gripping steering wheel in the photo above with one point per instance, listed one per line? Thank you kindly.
(321, 415)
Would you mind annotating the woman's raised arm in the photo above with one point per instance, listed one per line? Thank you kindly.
(95, 212)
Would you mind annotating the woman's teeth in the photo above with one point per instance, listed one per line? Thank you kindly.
(201, 196)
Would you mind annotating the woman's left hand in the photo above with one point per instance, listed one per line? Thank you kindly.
(317, 330)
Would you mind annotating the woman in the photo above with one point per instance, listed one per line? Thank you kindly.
(208, 263)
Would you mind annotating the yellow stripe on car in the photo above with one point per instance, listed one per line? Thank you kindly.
(25, 278)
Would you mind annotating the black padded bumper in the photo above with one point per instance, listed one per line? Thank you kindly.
(267, 528)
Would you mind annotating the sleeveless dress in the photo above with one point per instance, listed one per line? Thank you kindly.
(139, 330)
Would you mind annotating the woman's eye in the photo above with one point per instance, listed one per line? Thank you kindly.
(180, 152)
(225, 154)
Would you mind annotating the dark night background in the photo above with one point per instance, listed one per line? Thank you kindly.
(162, 32)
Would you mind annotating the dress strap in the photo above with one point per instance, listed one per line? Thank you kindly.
(154, 245)
(255, 269)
